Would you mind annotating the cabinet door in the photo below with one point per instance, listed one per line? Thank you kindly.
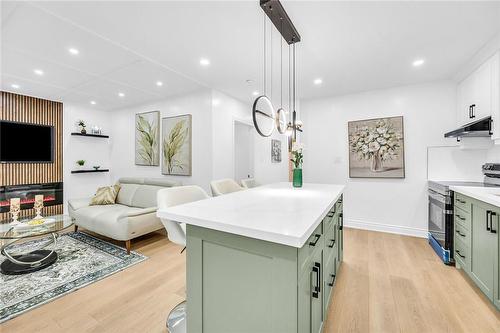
(496, 253)
(317, 294)
(482, 91)
(484, 243)
(310, 299)
(465, 100)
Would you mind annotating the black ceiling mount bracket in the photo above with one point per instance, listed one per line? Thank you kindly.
(277, 14)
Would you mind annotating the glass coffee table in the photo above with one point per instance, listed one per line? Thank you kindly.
(35, 259)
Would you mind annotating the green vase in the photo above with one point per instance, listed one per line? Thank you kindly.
(297, 177)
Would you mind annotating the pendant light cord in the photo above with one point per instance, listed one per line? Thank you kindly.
(294, 69)
(265, 69)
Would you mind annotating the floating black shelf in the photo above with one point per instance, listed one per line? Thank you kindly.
(89, 170)
(94, 135)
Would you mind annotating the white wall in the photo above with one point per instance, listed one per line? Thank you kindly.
(95, 151)
(226, 110)
(393, 205)
(123, 134)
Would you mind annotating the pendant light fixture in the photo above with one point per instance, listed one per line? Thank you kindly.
(265, 119)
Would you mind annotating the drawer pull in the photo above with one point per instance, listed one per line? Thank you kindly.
(317, 287)
(461, 201)
(460, 217)
(331, 214)
(315, 241)
(492, 214)
(461, 234)
(333, 280)
(333, 243)
(458, 252)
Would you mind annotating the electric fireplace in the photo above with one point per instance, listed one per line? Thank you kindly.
(52, 195)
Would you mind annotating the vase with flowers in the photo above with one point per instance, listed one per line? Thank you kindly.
(297, 159)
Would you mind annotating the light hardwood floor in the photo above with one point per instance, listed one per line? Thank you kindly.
(387, 283)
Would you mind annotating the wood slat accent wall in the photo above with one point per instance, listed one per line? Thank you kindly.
(15, 107)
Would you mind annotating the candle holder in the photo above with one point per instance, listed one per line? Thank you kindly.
(38, 206)
(15, 208)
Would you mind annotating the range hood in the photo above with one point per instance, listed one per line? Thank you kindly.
(478, 128)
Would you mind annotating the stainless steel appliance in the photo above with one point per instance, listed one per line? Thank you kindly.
(440, 224)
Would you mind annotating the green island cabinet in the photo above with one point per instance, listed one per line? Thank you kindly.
(477, 244)
(241, 284)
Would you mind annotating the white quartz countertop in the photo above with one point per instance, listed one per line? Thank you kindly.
(276, 213)
(489, 195)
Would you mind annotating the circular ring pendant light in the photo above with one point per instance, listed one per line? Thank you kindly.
(263, 113)
(263, 116)
(281, 121)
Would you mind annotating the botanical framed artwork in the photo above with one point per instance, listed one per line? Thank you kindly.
(275, 151)
(176, 145)
(147, 136)
(376, 148)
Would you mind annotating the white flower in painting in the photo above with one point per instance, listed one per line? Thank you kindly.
(381, 140)
(373, 146)
(364, 149)
(382, 130)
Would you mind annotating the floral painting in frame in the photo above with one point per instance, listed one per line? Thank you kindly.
(376, 148)
(147, 135)
(176, 145)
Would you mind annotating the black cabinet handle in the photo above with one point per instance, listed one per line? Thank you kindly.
(315, 241)
(333, 243)
(460, 217)
(473, 111)
(461, 201)
(333, 280)
(493, 231)
(470, 111)
(488, 219)
(317, 288)
(458, 252)
(331, 214)
(461, 234)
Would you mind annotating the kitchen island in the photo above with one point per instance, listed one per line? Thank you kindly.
(263, 259)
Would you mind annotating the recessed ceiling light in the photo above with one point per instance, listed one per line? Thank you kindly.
(418, 62)
(121, 94)
(159, 83)
(249, 81)
(204, 62)
(318, 81)
(38, 72)
(215, 101)
(73, 51)
(255, 93)
(15, 86)
(93, 102)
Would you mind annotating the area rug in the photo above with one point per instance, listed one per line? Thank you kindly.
(83, 259)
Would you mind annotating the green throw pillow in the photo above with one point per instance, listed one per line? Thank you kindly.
(105, 195)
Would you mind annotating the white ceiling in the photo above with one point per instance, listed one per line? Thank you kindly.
(128, 46)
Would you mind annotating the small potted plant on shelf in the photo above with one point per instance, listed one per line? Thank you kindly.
(297, 159)
(80, 164)
(81, 125)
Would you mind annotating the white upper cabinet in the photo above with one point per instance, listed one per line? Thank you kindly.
(479, 95)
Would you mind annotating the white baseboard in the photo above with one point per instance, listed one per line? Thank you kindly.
(393, 229)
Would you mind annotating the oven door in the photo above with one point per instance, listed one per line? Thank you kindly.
(440, 213)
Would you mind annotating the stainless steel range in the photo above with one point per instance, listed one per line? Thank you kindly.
(440, 222)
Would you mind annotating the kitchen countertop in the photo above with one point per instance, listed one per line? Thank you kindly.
(276, 212)
(489, 195)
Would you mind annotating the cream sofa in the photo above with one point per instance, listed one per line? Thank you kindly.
(133, 215)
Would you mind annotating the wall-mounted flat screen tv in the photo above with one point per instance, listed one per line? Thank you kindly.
(26, 143)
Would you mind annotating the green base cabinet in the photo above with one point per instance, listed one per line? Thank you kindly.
(477, 244)
(240, 284)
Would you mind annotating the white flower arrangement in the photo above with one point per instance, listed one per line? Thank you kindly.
(381, 140)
